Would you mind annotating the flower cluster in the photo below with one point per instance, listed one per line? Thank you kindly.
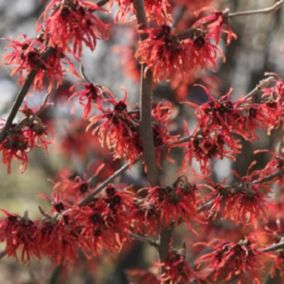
(29, 54)
(92, 228)
(118, 129)
(173, 56)
(73, 22)
(168, 205)
(157, 11)
(177, 270)
(21, 138)
(230, 260)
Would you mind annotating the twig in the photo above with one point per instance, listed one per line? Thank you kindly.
(21, 96)
(274, 247)
(189, 32)
(262, 84)
(267, 10)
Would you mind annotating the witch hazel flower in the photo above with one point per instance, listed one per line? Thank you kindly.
(20, 235)
(58, 241)
(175, 203)
(22, 137)
(15, 146)
(89, 95)
(176, 269)
(204, 146)
(73, 22)
(157, 11)
(243, 202)
(117, 129)
(104, 223)
(173, 56)
(29, 54)
(162, 53)
(240, 261)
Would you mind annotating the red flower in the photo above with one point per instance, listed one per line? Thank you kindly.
(177, 270)
(204, 146)
(174, 204)
(157, 11)
(27, 56)
(73, 22)
(89, 96)
(58, 241)
(118, 130)
(15, 146)
(104, 223)
(163, 53)
(230, 260)
(242, 202)
(71, 188)
(20, 233)
(172, 56)
(34, 128)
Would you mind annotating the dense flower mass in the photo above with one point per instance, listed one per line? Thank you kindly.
(73, 22)
(229, 260)
(168, 205)
(118, 129)
(173, 56)
(220, 222)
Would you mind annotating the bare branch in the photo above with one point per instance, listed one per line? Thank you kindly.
(274, 247)
(267, 10)
(146, 131)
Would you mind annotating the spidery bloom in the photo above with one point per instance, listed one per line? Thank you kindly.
(15, 146)
(73, 22)
(21, 138)
(177, 270)
(229, 260)
(174, 56)
(244, 202)
(58, 241)
(157, 11)
(27, 54)
(174, 204)
(117, 129)
(89, 95)
(104, 223)
(34, 128)
(20, 234)
(162, 52)
(203, 146)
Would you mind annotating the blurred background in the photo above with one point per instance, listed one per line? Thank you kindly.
(258, 49)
